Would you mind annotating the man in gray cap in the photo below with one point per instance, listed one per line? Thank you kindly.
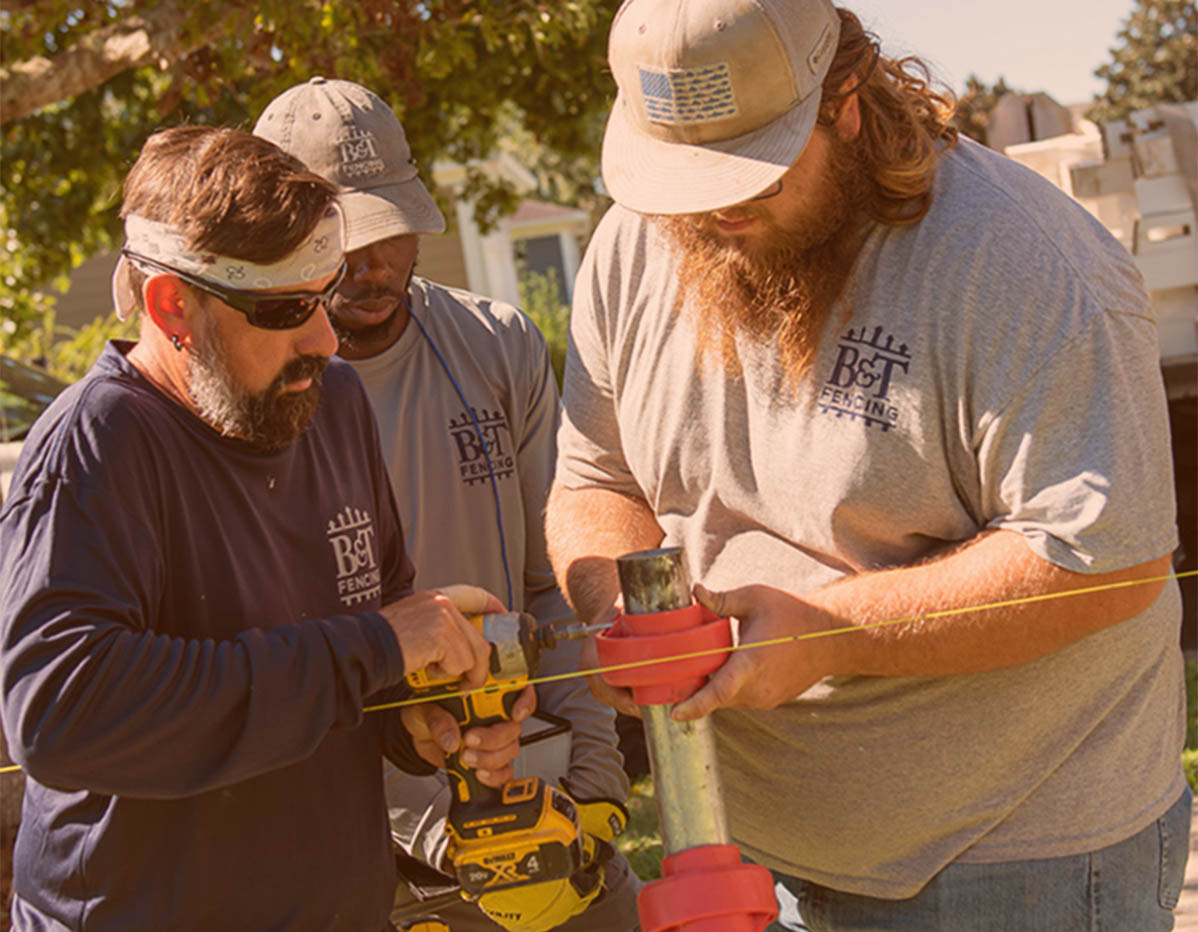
(467, 408)
(872, 378)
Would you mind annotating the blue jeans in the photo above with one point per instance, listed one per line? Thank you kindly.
(1131, 886)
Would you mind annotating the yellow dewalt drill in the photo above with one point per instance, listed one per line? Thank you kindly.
(525, 832)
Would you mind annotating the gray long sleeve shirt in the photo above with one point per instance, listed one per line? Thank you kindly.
(442, 485)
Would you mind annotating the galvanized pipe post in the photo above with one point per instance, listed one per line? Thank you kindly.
(682, 755)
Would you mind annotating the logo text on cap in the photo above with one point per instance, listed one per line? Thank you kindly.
(359, 155)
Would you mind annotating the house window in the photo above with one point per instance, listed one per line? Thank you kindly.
(542, 253)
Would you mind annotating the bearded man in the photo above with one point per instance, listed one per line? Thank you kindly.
(204, 584)
(881, 381)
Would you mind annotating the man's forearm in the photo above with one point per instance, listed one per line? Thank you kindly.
(104, 740)
(586, 530)
(997, 567)
(942, 626)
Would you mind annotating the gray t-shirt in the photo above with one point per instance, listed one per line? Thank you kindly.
(447, 506)
(999, 370)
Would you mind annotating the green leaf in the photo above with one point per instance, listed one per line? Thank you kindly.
(466, 78)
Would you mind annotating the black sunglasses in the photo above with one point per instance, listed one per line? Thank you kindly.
(278, 311)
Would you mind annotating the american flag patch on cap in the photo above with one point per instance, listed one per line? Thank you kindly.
(688, 95)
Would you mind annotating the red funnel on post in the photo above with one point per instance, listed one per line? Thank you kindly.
(706, 888)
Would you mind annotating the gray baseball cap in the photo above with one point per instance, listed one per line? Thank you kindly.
(349, 135)
(716, 98)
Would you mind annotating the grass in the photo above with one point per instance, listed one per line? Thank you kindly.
(641, 841)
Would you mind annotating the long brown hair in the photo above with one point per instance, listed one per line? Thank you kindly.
(904, 121)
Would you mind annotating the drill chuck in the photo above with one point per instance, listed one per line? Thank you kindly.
(548, 636)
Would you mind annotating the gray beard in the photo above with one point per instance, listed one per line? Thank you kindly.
(268, 420)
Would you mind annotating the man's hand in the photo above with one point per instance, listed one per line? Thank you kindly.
(490, 750)
(765, 677)
(619, 699)
(433, 632)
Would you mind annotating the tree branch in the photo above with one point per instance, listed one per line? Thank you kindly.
(16, 6)
(155, 37)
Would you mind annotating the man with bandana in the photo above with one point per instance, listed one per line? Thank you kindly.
(467, 409)
(205, 586)
(872, 377)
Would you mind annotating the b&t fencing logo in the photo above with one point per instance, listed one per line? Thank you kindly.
(861, 377)
(472, 461)
(351, 535)
(359, 154)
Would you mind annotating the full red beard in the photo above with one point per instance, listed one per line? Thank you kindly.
(781, 289)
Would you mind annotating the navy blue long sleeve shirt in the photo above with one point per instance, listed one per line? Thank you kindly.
(188, 635)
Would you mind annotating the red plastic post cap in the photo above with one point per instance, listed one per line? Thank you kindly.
(708, 889)
(646, 640)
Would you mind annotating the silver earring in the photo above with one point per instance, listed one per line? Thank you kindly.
(176, 342)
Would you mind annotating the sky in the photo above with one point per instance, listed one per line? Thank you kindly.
(1036, 45)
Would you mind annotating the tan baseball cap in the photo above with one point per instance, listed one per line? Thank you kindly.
(716, 98)
(349, 135)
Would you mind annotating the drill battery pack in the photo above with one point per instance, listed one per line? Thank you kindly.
(529, 834)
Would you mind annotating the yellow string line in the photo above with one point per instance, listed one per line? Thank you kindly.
(943, 613)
